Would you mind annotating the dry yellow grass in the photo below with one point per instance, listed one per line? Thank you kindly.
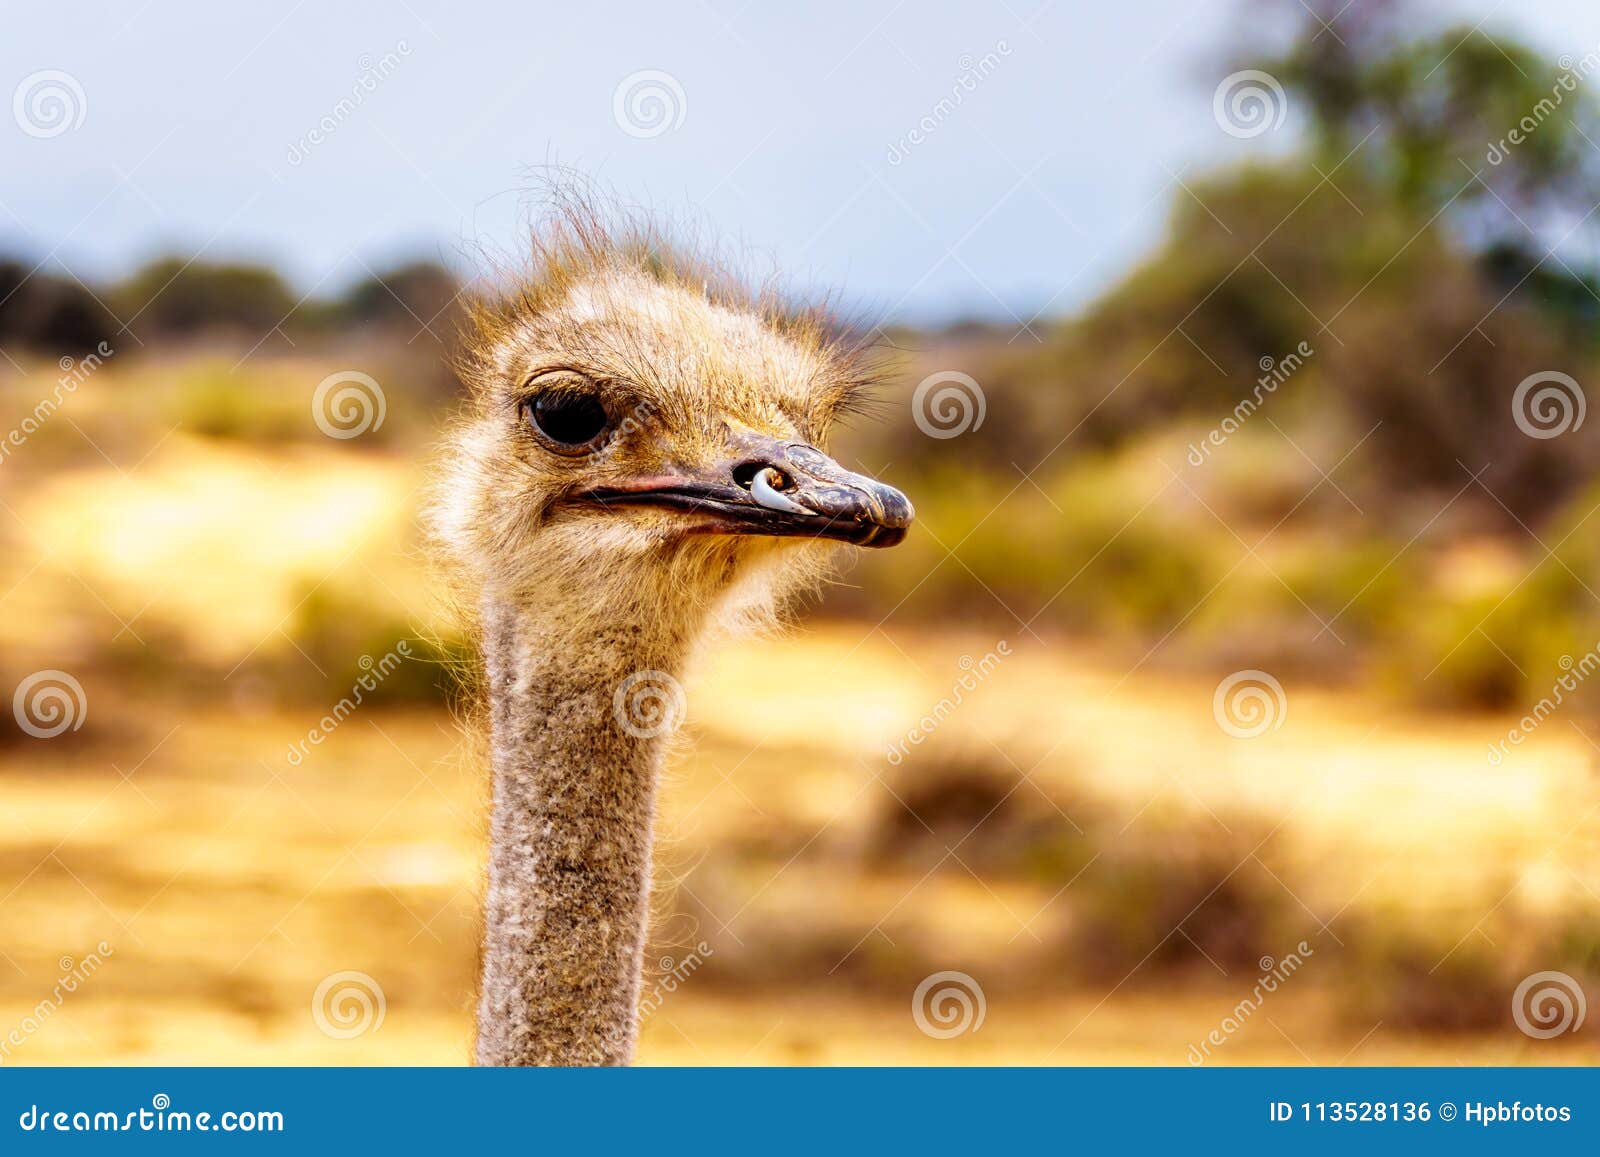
(229, 882)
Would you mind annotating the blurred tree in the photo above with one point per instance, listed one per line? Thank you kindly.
(414, 308)
(1486, 150)
(1458, 119)
(415, 295)
(39, 311)
(1413, 244)
(172, 297)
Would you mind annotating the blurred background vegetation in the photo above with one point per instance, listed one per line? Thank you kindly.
(1380, 535)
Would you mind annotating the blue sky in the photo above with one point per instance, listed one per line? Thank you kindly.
(1051, 176)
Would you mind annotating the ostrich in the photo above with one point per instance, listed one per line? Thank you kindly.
(640, 462)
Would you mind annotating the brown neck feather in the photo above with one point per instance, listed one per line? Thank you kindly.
(569, 865)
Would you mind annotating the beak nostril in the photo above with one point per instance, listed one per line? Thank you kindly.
(746, 473)
(764, 487)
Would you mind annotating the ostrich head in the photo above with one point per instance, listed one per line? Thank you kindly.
(647, 439)
(643, 455)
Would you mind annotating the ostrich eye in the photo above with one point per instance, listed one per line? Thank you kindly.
(567, 419)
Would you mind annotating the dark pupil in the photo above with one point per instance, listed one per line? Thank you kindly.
(571, 419)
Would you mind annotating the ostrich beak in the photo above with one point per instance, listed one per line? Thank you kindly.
(773, 487)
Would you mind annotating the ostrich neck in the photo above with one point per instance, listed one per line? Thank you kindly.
(570, 833)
